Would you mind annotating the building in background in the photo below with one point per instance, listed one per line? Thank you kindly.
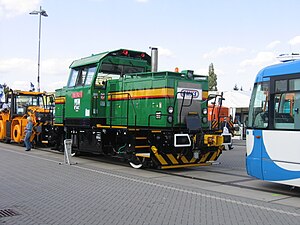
(238, 104)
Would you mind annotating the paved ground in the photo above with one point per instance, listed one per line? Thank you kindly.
(39, 189)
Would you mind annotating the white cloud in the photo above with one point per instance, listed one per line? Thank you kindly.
(17, 73)
(202, 71)
(241, 71)
(56, 66)
(295, 40)
(261, 59)
(18, 64)
(273, 44)
(229, 50)
(164, 51)
(12, 8)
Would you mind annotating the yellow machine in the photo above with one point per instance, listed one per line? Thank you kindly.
(14, 112)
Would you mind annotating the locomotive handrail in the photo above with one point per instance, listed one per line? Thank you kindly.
(220, 106)
(182, 104)
(129, 99)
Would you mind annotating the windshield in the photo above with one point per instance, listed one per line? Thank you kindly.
(22, 102)
(258, 111)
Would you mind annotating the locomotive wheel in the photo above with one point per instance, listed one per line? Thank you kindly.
(135, 162)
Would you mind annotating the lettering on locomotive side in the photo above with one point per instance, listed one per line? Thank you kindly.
(77, 94)
(187, 93)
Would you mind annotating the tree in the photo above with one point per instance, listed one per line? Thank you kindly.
(212, 78)
(235, 88)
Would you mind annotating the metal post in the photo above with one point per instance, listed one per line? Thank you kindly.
(41, 13)
(39, 51)
(67, 151)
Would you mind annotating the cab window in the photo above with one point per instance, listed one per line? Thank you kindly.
(82, 76)
(90, 75)
(73, 77)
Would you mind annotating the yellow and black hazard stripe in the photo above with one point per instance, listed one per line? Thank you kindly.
(214, 124)
(168, 161)
(37, 130)
(37, 124)
(230, 123)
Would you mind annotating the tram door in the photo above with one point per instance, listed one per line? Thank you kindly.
(254, 153)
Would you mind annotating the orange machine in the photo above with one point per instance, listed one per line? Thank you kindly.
(13, 116)
(215, 111)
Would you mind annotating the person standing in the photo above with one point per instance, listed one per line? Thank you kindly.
(227, 132)
(28, 132)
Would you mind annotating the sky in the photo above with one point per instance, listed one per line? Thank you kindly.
(239, 37)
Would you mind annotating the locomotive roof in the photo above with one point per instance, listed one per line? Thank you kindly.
(291, 67)
(95, 58)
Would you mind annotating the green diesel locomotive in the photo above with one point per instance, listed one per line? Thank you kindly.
(116, 103)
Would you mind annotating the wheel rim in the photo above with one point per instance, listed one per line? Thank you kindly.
(135, 163)
(135, 166)
(17, 133)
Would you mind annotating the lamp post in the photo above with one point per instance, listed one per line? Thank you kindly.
(41, 13)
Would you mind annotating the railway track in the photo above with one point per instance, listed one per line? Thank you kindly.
(238, 180)
(279, 189)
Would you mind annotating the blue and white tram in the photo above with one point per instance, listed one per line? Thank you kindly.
(273, 132)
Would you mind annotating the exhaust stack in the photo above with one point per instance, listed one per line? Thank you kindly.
(154, 59)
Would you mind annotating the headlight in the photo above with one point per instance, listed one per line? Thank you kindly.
(204, 111)
(170, 109)
(170, 119)
(204, 119)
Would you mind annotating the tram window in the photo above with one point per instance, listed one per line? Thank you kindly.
(258, 114)
(281, 85)
(294, 84)
(284, 111)
(90, 75)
